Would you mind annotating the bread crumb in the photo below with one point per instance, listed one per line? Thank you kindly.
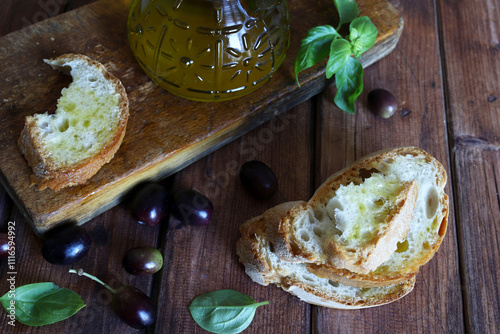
(52, 39)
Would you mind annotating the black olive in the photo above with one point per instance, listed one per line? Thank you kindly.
(66, 244)
(191, 207)
(150, 204)
(134, 307)
(258, 179)
(382, 103)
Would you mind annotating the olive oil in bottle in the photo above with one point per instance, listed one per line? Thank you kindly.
(209, 50)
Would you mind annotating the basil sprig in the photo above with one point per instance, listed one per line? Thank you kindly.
(41, 304)
(224, 311)
(343, 53)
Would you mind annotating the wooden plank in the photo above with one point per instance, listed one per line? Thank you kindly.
(412, 74)
(478, 217)
(202, 259)
(165, 133)
(25, 13)
(472, 63)
(5, 208)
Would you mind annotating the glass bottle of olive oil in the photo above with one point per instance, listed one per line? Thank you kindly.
(209, 50)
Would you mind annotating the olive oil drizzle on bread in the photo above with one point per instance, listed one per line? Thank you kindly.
(68, 147)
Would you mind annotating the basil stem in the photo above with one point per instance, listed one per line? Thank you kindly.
(80, 272)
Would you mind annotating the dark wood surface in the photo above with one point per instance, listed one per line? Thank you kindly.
(445, 73)
(164, 133)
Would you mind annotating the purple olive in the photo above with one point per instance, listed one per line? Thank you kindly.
(134, 307)
(150, 204)
(382, 103)
(191, 207)
(258, 179)
(142, 260)
(66, 244)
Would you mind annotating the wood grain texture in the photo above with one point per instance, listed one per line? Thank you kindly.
(412, 74)
(27, 13)
(165, 133)
(478, 226)
(213, 263)
(472, 63)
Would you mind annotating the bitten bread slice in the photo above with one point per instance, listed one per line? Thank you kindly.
(264, 266)
(68, 147)
(309, 232)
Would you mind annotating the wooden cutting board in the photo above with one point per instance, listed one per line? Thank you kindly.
(165, 133)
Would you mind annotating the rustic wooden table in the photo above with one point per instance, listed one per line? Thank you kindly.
(445, 73)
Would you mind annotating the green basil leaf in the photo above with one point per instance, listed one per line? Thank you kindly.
(363, 34)
(224, 311)
(348, 11)
(314, 48)
(41, 304)
(349, 81)
(340, 52)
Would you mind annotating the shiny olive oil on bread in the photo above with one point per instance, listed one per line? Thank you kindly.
(209, 50)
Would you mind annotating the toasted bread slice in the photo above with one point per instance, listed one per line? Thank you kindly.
(306, 231)
(367, 222)
(67, 148)
(265, 267)
(370, 220)
(278, 220)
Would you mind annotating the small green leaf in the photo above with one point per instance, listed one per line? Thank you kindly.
(224, 311)
(314, 48)
(349, 81)
(340, 52)
(363, 34)
(348, 11)
(41, 304)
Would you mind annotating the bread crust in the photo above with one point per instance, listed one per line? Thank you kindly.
(279, 220)
(377, 160)
(371, 280)
(250, 254)
(46, 172)
(314, 296)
